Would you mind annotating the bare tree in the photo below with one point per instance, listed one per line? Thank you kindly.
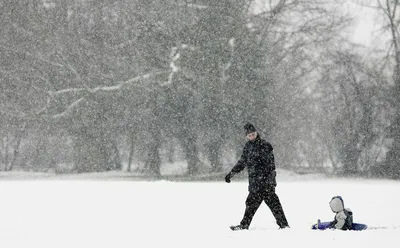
(353, 99)
(388, 11)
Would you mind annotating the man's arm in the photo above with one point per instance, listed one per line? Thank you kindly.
(240, 165)
(340, 220)
(267, 156)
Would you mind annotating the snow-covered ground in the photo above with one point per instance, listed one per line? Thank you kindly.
(124, 213)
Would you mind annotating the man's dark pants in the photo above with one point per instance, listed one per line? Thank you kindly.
(253, 202)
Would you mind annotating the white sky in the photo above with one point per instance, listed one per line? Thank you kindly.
(363, 28)
(363, 23)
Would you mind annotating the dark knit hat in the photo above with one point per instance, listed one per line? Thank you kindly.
(249, 128)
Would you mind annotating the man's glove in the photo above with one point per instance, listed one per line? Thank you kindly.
(228, 177)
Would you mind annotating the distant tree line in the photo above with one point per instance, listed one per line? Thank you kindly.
(96, 85)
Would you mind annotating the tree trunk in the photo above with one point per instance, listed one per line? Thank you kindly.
(170, 152)
(15, 154)
(350, 159)
(153, 164)
(131, 150)
(393, 156)
(18, 138)
(92, 153)
(7, 156)
(191, 153)
(82, 155)
(392, 164)
(214, 153)
(116, 157)
(1, 152)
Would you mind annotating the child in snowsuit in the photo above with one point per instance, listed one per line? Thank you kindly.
(344, 216)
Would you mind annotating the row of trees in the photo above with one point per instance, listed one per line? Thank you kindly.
(99, 84)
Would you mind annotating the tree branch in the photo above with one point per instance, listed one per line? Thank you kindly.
(68, 110)
(71, 69)
(117, 87)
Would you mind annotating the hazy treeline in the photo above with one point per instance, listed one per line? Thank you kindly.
(94, 85)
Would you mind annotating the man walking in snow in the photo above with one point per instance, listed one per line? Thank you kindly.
(259, 159)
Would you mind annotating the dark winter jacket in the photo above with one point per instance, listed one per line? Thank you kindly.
(259, 159)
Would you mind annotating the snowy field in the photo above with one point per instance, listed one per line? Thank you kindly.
(123, 213)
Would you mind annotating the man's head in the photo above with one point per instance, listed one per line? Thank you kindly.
(250, 131)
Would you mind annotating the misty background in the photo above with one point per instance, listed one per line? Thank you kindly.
(140, 85)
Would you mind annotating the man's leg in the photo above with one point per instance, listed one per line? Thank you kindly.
(253, 202)
(272, 201)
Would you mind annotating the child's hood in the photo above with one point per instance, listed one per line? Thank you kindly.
(336, 204)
